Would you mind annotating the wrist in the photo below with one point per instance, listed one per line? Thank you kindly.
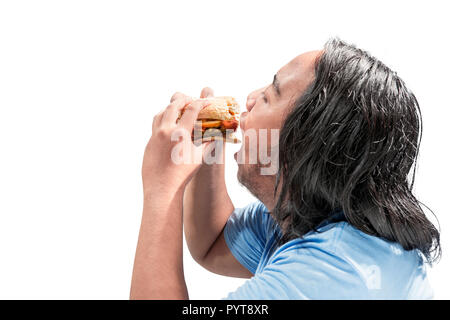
(162, 190)
(161, 193)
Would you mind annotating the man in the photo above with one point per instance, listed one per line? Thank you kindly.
(337, 221)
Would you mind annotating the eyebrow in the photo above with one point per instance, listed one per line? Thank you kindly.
(276, 85)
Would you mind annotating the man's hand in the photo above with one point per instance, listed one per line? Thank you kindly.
(158, 265)
(171, 158)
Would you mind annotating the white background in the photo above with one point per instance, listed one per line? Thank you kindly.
(80, 82)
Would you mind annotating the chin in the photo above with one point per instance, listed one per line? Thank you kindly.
(242, 175)
(239, 173)
(246, 176)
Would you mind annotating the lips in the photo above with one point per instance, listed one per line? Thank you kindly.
(242, 120)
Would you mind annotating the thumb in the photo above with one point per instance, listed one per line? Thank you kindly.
(213, 152)
(207, 92)
(207, 147)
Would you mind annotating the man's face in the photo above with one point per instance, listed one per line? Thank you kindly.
(266, 109)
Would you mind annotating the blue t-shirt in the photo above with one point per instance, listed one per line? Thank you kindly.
(337, 262)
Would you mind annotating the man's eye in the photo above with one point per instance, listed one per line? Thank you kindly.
(265, 98)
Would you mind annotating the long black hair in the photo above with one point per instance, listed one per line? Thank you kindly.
(348, 144)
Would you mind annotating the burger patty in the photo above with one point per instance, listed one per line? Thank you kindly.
(219, 124)
(210, 128)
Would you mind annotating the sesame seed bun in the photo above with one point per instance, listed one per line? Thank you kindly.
(221, 108)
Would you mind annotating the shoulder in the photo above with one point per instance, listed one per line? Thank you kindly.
(355, 245)
(309, 268)
(342, 262)
(387, 270)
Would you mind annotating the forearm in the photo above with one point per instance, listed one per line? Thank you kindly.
(206, 209)
(158, 266)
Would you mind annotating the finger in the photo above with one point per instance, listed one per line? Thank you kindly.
(207, 92)
(204, 147)
(207, 147)
(191, 113)
(212, 152)
(177, 95)
(174, 109)
(157, 120)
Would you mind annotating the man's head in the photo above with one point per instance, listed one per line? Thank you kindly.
(266, 109)
(349, 134)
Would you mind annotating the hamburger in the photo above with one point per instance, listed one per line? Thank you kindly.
(217, 121)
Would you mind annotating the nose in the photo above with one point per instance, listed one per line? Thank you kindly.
(251, 98)
(250, 103)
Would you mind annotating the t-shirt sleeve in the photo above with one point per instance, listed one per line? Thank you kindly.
(313, 274)
(246, 234)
